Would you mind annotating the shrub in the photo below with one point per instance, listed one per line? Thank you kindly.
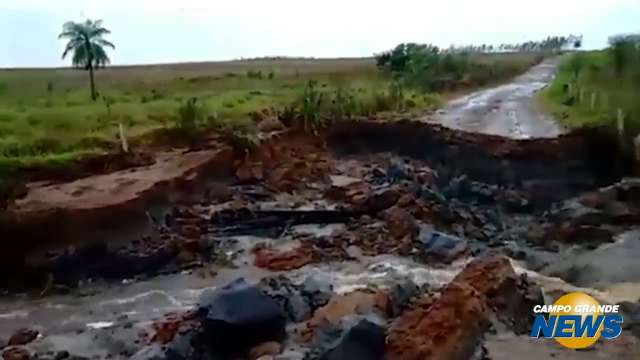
(254, 74)
(343, 105)
(189, 117)
(311, 106)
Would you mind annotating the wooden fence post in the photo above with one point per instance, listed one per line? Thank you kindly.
(581, 95)
(123, 138)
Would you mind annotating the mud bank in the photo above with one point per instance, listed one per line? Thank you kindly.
(550, 169)
(107, 207)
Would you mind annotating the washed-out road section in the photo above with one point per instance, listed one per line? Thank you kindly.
(508, 110)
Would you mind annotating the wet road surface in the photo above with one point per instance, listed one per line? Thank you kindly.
(508, 110)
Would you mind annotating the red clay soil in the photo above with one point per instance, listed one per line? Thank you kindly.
(451, 326)
(275, 260)
(85, 208)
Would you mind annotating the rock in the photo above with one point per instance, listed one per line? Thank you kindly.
(172, 326)
(451, 326)
(400, 223)
(185, 343)
(398, 170)
(576, 213)
(298, 302)
(425, 176)
(382, 199)
(440, 247)
(23, 337)
(341, 181)
(406, 200)
(238, 317)
(515, 201)
(271, 348)
(458, 187)
(283, 261)
(16, 353)
(351, 190)
(364, 341)
(400, 295)
(342, 306)
(317, 293)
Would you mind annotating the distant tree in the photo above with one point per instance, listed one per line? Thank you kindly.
(576, 41)
(88, 47)
(624, 51)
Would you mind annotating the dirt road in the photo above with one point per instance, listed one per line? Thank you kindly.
(507, 110)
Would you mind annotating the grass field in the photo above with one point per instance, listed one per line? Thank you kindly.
(588, 92)
(47, 116)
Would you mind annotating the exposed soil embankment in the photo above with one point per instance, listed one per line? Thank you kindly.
(101, 207)
(551, 169)
(119, 206)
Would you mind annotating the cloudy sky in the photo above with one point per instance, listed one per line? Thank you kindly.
(155, 31)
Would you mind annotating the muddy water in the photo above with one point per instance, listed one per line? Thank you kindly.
(102, 319)
(508, 110)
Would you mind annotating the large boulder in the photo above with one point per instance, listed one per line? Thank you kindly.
(452, 326)
(364, 341)
(238, 317)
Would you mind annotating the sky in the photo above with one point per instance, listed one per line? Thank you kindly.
(162, 31)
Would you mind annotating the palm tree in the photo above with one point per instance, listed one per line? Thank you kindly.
(88, 46)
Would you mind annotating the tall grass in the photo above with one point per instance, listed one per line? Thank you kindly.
(598, 88)
(45, 114)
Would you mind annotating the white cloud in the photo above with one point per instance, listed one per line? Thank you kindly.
(181, 30)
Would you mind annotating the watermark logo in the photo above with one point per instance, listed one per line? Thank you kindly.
(577, 321)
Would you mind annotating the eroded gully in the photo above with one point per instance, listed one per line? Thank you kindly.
(544, 204)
